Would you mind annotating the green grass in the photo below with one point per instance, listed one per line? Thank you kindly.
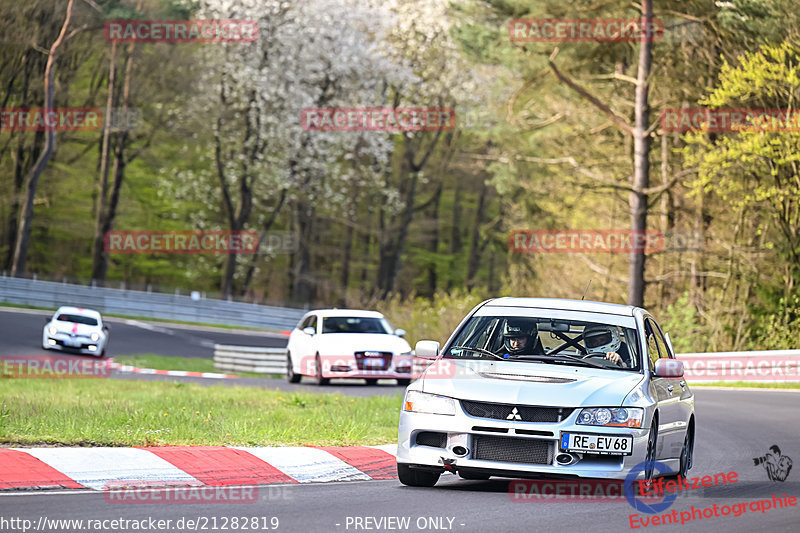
(108, 412)
(188, 364)
(161, 362)
(748, 384)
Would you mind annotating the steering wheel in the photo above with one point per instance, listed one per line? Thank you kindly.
(594, 354)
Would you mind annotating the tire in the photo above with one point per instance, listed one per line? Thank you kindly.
(416, 478)
(291, 377)
(371, 381)
(650, 458)
(318, 369)
(473, 476)
(404, 382)
(687, 454)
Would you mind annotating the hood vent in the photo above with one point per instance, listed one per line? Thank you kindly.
(525, 377)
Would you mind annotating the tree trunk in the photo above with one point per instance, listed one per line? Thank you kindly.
(98, 251)
(434, 244)
(641, 162)
(473, 261)
(32, 180)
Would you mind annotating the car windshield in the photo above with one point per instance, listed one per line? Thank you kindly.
(355, 324)
(80, 319)
(545, 340)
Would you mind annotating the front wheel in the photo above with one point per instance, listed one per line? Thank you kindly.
(650, 459)
(320, 380)
(416, 478)
(291, 377)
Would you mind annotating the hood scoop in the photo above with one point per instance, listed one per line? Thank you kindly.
(526, 377)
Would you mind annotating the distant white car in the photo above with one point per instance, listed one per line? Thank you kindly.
(76, 329)
(347, 343)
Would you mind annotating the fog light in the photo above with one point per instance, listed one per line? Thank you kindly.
(92, 347)
(51, 342)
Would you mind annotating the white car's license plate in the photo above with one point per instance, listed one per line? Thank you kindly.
(373, 362)
(72, 342)
(602, 444)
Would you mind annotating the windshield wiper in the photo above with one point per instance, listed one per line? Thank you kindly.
(478, 350)
(562, 357)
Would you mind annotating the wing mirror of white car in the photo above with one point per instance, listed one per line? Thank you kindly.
(427, 349)
(668, 368)
(309, 330)
(399, 332)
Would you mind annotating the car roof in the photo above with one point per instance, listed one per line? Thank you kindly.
(78, 311)
(563, 304)
(347, 312)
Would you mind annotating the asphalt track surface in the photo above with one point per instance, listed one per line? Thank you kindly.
(22, 335)
(733, 427)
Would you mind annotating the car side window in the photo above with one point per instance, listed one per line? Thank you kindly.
(662, 344)
(652, 345)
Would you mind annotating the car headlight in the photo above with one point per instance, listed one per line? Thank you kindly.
(51, 330)
(95, 337)
(626, 417)
(421, 402)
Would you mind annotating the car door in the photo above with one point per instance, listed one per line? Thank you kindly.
(668, 393)
(681, 396)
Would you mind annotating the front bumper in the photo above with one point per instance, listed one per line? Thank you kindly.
(80, 344)
(462, 430)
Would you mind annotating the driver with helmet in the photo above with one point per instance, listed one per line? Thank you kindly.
(521, 337)
(601, 339)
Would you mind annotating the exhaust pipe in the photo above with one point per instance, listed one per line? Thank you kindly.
(565, 459)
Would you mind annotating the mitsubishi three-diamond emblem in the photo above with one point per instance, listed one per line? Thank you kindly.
(514, 415)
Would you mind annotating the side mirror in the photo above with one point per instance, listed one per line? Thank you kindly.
(668, 368)
(106, 327)
(427, 349)
(309, 330)
(399, 332)
(669, 343)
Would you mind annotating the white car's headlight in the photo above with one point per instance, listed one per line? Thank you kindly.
(95, 337)
(421, 402)
(51, 330)
(627, 417)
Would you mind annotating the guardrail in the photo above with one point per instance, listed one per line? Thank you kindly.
(50, 294)
(760, 366)
(250, 359)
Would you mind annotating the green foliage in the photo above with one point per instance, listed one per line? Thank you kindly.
(685, 330)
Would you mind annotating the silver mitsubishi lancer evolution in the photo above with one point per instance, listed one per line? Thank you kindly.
(529, 387)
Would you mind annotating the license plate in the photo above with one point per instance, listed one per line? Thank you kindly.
(72, 342)
(373, 362)
(602, 444)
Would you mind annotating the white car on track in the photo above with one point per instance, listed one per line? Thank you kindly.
(347, 343)
(533, 387)
(77, 330)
